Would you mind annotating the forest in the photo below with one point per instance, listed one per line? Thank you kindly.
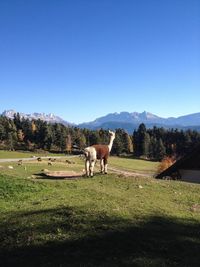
(154, 143)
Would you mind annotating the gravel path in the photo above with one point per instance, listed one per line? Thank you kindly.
(129, 173)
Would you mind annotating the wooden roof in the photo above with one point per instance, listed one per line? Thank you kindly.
(189, 162)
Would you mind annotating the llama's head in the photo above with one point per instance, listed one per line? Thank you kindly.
(112, 137)
(112, 134)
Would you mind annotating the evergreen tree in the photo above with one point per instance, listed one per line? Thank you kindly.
(140, 138)
(153, 147)
(48, 137)
(17, 121)
(10, 141)
(160, 150)
(117, 147)
(145, 145)
(94, 138)
(187, 147)
(103, 136)
(2, 132)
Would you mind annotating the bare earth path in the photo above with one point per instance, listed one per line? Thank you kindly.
(129, 173)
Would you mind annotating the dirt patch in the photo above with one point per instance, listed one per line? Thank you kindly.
(63, 174)
(195, 208)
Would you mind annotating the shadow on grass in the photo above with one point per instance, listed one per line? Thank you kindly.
(43, 176)
(70, 237)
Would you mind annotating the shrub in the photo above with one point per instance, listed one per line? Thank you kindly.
(165, 163)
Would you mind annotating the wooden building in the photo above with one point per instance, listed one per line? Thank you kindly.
(185, 169)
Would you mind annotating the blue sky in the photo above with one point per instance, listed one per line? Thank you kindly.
(82, 59)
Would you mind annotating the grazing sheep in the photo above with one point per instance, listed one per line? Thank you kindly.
(20, 162)
(101, 152)
(70, 162)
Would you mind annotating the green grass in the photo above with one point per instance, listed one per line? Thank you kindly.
(107, 220)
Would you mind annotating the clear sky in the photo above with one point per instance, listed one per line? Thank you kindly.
(82, 59)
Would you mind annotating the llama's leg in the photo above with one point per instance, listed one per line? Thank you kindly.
(87, 167)
(102, 165)
(92, 163)
(105, 166)
(106, 169)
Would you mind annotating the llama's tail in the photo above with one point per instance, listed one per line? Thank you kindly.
(90, 152)
(86, 151)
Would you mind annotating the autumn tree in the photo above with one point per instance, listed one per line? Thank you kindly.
(68, 144)
(165, 163)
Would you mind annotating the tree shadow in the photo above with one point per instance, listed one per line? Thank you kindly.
(97, 240)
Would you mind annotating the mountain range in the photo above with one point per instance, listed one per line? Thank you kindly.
(130, 121)
(51, 118)
(125, 120)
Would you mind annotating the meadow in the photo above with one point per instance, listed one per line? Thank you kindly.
(24, 154)
(107, 220)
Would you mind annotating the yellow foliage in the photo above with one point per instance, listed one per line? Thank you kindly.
(33, 127)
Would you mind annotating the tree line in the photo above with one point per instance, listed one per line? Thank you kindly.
(156, 143)
(24, 134)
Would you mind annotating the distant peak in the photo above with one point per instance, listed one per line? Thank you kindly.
(36, 115)
(9, 111)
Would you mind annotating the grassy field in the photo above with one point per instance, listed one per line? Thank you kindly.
(135, 165)
(16, 154)
(108, 220)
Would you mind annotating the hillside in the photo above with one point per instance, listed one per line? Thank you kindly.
(108, 220)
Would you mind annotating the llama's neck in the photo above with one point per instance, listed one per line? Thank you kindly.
(111, 143)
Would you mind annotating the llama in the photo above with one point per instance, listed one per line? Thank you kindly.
(101, 152)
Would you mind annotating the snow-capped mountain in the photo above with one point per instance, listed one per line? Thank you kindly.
(51, 118)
